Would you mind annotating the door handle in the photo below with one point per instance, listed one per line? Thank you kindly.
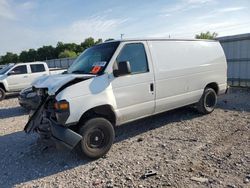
(25, 76)
(151, 87)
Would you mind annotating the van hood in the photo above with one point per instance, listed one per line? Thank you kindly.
(54, 82)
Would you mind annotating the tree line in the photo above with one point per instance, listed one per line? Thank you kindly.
(62, 50)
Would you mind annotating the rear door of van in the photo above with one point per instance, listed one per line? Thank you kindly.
(134, 93)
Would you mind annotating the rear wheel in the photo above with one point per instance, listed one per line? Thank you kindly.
(97, 137)
(2, 94)
(208, 101)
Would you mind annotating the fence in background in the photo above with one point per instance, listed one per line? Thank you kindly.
(237, 51)
(62, 63)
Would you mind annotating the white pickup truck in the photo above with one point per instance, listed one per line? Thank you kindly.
(15, 77)
(121, 81)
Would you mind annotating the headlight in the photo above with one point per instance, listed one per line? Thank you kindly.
(62, 111)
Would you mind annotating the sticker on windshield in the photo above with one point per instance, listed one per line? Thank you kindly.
(99, 64)
(96, 69)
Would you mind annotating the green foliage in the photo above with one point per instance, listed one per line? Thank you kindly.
(88, 43)
(206, 35)
(49, 52)
(9, 58)
(46, 53)
(31, 55)
(99, 41)
(67, 53)
(23, 57)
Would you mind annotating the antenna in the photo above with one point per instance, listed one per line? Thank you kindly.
(122, 35)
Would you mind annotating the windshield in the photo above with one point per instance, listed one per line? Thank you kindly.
(5, 69)
(94, 60)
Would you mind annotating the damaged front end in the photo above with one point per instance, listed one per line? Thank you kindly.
(48, 122)
(50, 117)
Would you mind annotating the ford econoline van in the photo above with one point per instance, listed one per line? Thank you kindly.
(121, 81)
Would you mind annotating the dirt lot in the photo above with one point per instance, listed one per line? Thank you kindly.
(183, 147)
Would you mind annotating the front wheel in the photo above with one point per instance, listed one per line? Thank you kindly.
(208, 101)
(2, 94)
(97, 137)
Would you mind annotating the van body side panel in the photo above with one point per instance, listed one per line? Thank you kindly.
(183, 69)
(133, 98)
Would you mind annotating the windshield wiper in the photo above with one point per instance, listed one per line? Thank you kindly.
(78, 72)
(81, 72)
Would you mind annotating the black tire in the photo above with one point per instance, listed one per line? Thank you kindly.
(98, 136)
(2, 94)
(208, 101)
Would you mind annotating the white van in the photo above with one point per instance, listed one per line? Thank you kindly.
(121, 81)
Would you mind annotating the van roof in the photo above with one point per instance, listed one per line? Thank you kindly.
(159, 39)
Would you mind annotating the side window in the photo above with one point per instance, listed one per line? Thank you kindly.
(37, 68)
(22, 69)
(136, 55)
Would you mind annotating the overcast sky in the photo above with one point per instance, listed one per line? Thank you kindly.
(28, 24)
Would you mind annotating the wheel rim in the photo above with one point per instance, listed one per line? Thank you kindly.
(210, 100)
(96, 139)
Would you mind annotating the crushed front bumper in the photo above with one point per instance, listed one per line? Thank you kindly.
(65, 135)
(44, 125)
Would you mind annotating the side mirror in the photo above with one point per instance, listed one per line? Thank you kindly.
(123, 68)
(11, 73)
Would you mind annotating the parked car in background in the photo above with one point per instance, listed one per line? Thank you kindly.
(15, 77)
(121, 81)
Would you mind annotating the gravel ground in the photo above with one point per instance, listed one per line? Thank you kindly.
(184, 148)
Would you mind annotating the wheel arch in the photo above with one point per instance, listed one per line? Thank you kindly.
(214, 86)
(105, 111)
(2, 86)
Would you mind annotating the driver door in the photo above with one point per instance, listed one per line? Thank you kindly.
(134, 93)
